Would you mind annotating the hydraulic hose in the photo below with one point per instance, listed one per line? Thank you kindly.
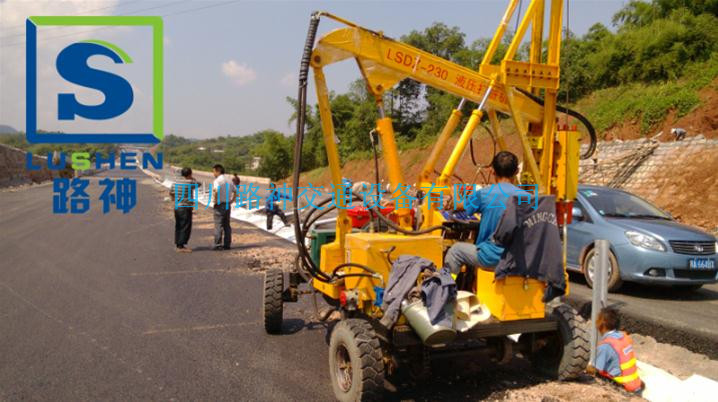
(591, 131)
(373, 139)
(355, 265)
(308, 223)
(312, 211)
(471, 147)
(398, 228)
(304, 262)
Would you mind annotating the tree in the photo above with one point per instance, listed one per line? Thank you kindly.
(276, 156)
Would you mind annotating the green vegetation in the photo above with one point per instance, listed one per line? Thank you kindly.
(234, 153)
(649, 102)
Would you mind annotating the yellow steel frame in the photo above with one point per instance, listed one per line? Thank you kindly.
(384, 62)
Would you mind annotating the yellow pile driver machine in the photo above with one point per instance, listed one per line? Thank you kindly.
(350, 269)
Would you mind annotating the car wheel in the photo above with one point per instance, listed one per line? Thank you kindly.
(589, 265)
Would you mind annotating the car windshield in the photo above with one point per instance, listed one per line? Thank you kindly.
(618, 204)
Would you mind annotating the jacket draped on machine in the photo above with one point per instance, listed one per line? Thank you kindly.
(436, 290)
(529, 233)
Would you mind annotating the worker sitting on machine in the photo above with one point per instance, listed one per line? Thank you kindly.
(615, 358)
(490, 202)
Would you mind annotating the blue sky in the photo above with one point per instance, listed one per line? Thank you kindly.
(230, 65)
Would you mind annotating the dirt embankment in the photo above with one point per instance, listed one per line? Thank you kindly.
(13, 171)
(689, 193)
(702, 120)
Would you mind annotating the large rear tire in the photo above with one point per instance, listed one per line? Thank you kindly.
(273, 307)
(356, 363)
(564, 354)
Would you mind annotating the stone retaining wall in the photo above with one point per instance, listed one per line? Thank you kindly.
(677, 176)
(12, 168)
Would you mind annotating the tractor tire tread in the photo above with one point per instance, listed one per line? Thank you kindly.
(371, 358)
(576, 352)
(273, 308)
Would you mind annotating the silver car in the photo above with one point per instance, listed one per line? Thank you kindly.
(647, 245)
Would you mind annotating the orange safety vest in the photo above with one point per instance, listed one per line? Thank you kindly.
(627, 361)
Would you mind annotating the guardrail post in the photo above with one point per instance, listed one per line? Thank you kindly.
(600, 290)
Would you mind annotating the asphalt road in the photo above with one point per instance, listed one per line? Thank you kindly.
(99, 306)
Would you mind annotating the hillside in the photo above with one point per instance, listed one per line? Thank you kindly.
(633, 110)
(5, 129)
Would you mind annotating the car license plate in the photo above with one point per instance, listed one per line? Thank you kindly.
(701, 263)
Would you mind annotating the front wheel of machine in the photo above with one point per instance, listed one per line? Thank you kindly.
(356, 365)
(563, 354)
(273, 308)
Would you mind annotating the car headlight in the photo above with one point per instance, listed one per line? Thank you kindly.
(643, 240)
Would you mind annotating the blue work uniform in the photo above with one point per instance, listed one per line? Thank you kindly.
(274, 197)
(490, 202)
(606, 358)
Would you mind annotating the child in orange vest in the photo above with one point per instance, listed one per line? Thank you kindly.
(615, 358)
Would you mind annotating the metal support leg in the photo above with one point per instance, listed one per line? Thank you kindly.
(600, 287)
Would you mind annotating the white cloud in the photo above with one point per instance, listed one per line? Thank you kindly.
(289, 80)
(239, 73)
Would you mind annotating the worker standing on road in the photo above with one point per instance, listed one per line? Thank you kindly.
(271, 207)
(490, 202)
(615, 358)
(224, 193)
(183, 210)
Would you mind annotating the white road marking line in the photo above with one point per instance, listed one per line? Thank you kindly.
(198, 328)
(161, 273)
